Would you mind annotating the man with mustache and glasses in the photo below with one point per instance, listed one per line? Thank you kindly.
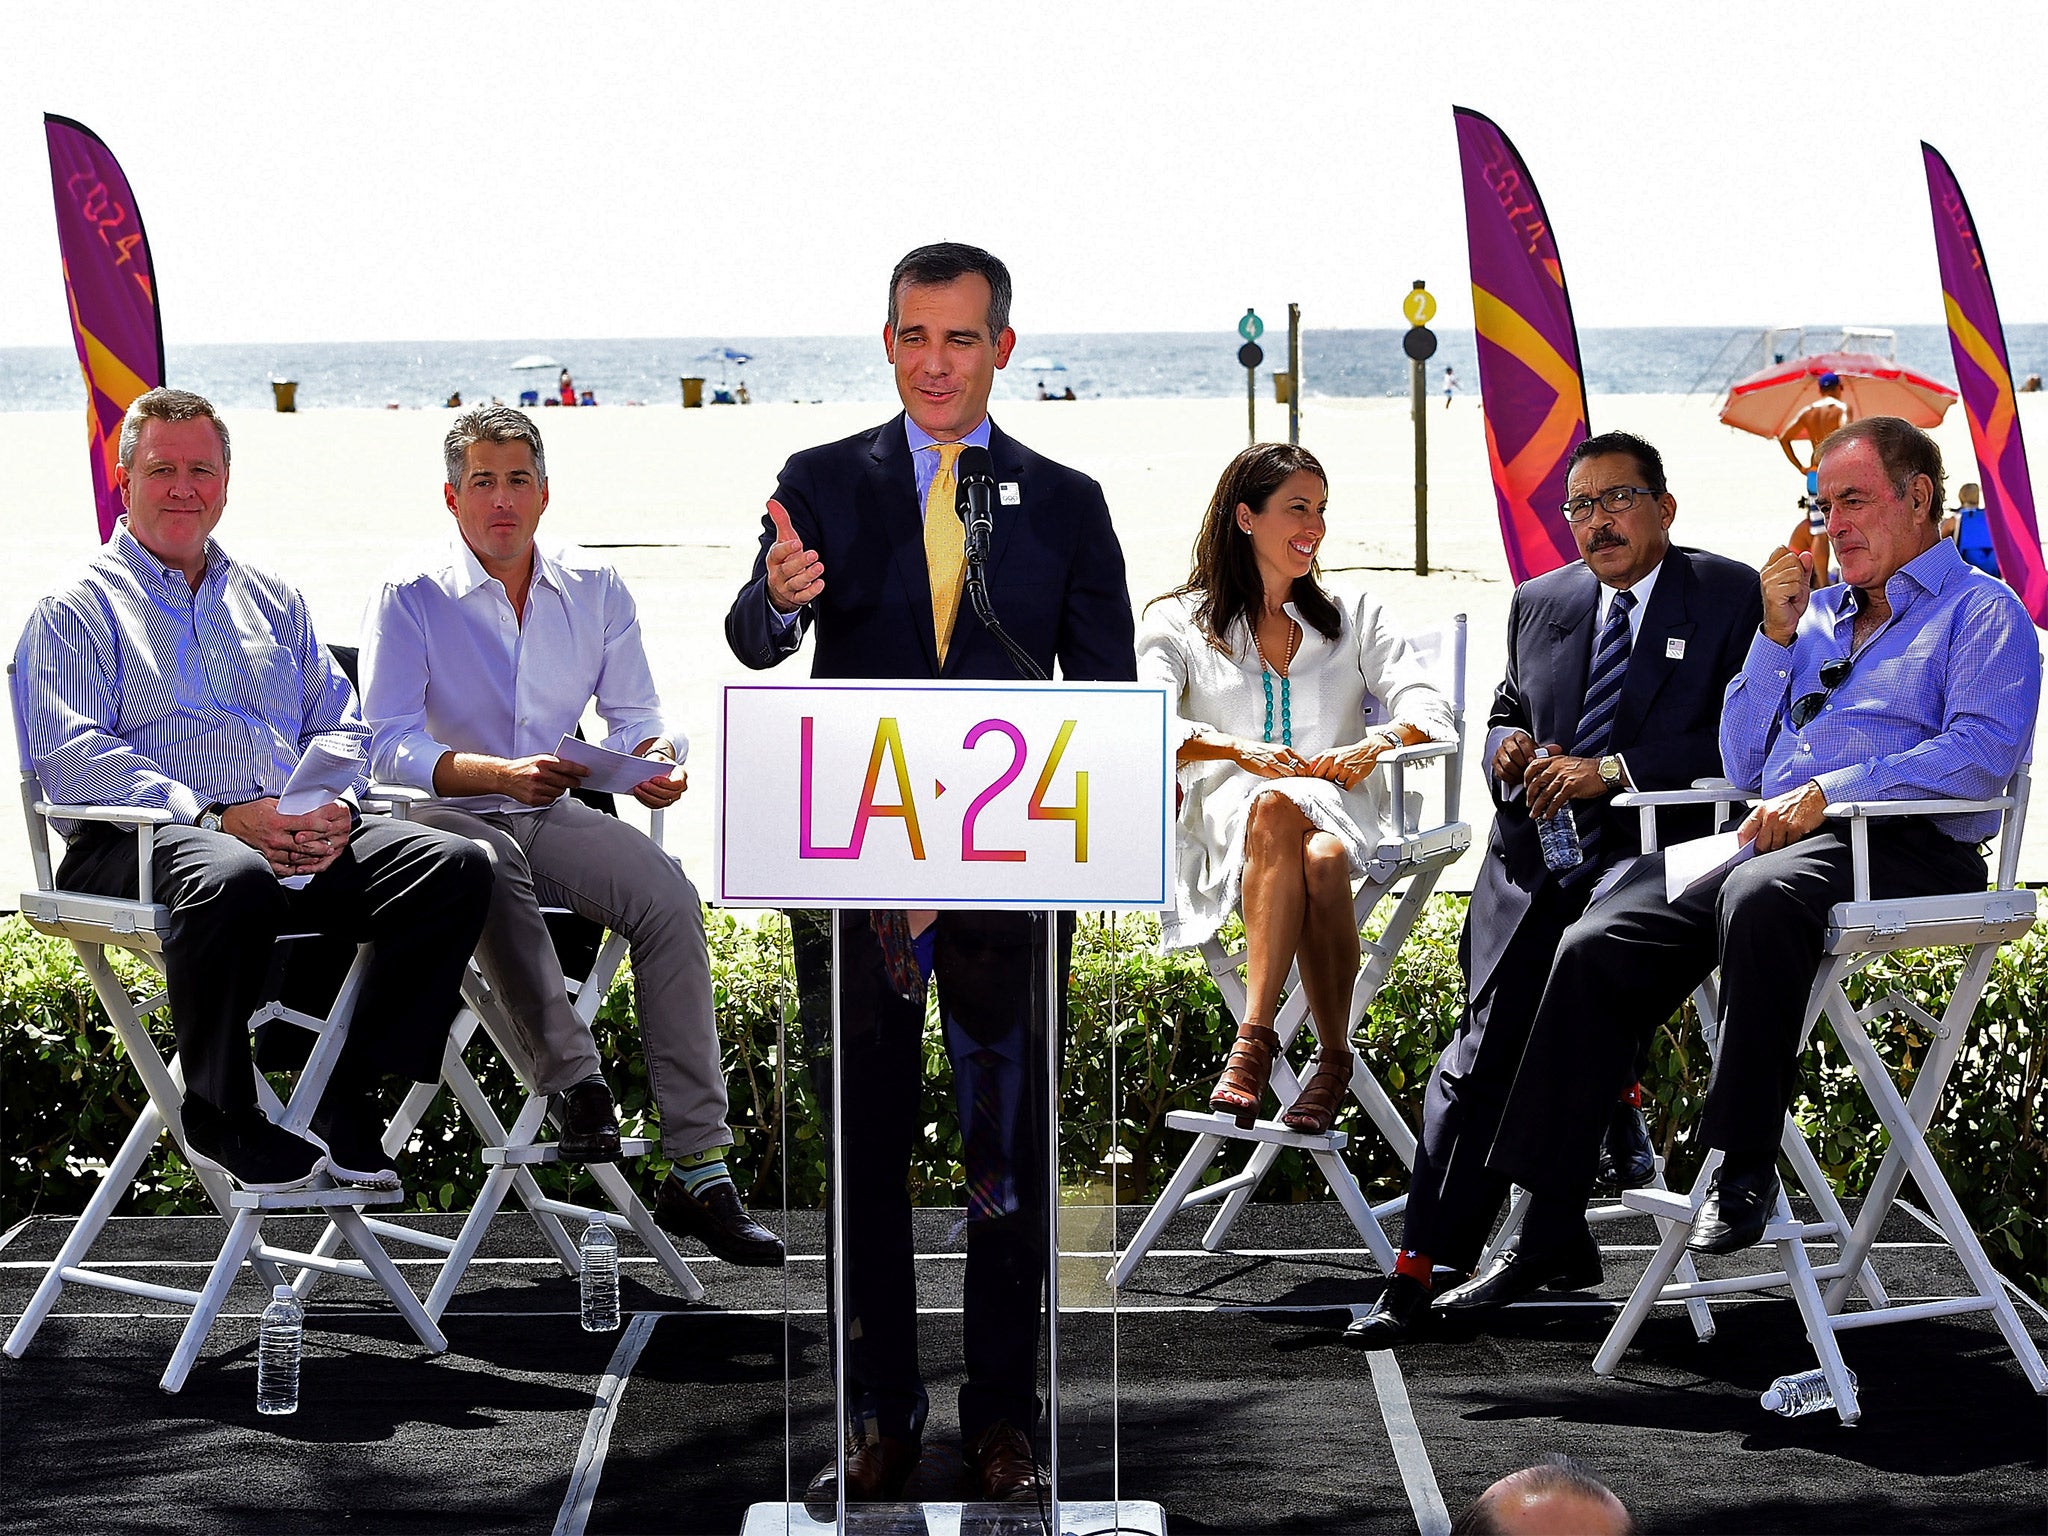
(1914, 678)
(1616, 667)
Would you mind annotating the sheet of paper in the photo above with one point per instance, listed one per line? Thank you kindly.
(1687, 864)
(330, 766)
(614, 773)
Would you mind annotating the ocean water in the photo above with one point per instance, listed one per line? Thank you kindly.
(1155, 365)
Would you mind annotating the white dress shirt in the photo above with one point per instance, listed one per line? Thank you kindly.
(447, 666)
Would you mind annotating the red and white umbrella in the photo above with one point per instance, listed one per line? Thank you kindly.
(1767, 403)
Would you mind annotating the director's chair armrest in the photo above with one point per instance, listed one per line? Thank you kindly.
(1860, 813)
(1647, 802)
(145, 819)
(393, 800)
(1397, 761)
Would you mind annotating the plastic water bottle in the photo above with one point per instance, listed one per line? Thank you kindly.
(279, 1339)
(600, 1251)
(1559, 835)
(1793, 1397)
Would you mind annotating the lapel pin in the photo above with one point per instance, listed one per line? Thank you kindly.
(1009, 493)
(1674, 648)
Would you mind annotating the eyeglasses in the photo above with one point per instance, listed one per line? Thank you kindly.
(1808, 705)
(1616, 498)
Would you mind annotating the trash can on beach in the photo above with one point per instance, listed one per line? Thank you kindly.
(286, 393)
(693, 394)
(1283, 386)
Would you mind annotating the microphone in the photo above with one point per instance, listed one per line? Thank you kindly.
(975, 501)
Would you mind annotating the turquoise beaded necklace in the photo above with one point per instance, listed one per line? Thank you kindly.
(1286, 685)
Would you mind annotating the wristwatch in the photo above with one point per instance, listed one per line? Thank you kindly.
(1610, 771)
(209, 819)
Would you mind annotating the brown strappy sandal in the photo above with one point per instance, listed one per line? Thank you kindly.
(1313, 1113)
(1243, 1082)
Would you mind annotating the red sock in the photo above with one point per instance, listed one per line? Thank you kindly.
(1633, 1094)
(1415, 1266)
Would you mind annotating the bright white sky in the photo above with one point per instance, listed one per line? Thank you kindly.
(362, 171)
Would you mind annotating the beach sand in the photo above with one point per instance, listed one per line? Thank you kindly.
(334, 499)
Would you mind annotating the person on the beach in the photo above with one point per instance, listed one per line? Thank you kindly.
(862, 549)
(173, 676)
(1450, 384)
(565, 388)
(1283, 815)
(473, 671)
(1827, 415)
(1616, 666)
(1968, 526)
(1911, 679)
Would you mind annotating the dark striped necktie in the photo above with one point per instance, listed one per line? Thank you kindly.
(1603, 683)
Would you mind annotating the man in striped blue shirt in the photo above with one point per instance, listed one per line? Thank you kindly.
(1915, 678)
(172, 676)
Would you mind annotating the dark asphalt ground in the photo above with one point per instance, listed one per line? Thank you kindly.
(1234, 1420)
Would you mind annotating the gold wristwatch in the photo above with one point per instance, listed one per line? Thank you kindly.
(1610, 771)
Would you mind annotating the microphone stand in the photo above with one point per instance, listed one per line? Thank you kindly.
(977, 594)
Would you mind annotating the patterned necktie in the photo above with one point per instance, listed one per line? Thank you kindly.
(945, 548)
(1603, 684)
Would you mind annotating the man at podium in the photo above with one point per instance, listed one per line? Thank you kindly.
(862, 544)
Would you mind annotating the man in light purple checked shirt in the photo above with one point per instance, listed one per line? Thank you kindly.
(1916, 677)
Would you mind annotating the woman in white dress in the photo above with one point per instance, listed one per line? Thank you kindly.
(1280, 808)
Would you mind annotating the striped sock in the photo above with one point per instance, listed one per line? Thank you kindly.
(700, 1170)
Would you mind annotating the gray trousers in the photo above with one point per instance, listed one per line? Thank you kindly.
(596, 865)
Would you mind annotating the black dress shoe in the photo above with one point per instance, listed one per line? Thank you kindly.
(1737, 1209)
(718, 1221)
(261, 1157)
(353, 1135)
(588, 1124)
(1515, 1274)
(1627, 1160)
(875, 1474)
(1400, 1310)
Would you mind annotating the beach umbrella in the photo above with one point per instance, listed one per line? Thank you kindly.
(728, 355)
(1043, 365)
(536, 360)
(1768, 402)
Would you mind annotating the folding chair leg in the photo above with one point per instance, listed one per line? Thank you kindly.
(378, 1262)
(114, 1183)
(1819, 1332)
(626, 1200)
(1344, 1185)
(471, 1238)
(1668, 1258)
(1814, 1180)
(1185, 1178)
(242, 1234)
(1246, 1184)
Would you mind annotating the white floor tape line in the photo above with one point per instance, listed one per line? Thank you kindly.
(1411, 1456)
(597, 1434)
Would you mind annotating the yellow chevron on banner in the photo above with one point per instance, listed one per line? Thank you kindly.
(1506, 329)
(1981, 352)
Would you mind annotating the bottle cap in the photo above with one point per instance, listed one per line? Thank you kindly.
(283, 1293)
(1773, 1399)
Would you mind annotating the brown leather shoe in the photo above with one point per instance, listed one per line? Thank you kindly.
(1001, 1468)
(875, 1474)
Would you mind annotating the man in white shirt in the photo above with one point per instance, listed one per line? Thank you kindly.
(472, 672)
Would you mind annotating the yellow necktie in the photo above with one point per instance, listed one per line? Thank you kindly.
(945, 548)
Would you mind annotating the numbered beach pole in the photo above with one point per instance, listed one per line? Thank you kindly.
(1249, 356)
(1419, 308)
(1037, 797)
(1294, 374)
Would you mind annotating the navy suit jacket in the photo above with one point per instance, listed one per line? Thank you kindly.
(1667, 723)
(1055, 570)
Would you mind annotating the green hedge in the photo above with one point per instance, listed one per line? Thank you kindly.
(1151, 1025)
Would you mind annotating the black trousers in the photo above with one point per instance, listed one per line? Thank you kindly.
(1453, 1196)
(990, 969)
(418, 895)
(1633, 958)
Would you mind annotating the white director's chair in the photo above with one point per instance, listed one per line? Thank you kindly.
(1414, 854)
(1859, 930)
(95, 924)
(511, 1152)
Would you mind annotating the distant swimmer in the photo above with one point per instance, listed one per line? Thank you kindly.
(1826, 416)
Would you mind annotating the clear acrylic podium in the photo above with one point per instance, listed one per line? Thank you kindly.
(949, 1202)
